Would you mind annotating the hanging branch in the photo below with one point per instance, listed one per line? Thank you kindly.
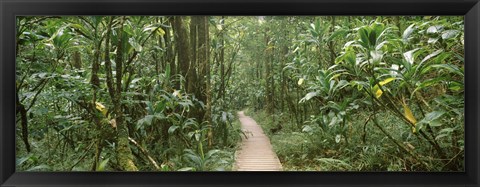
(144, 153)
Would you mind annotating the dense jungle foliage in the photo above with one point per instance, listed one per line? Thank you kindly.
(161, 93)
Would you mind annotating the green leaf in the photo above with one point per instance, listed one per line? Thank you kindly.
(428, 83)
(363, 33)
(333, 121)
(440, 136)
(338, 33)
(435, 123)
(167, 71)
(432, 55)
(408, 31)
(307, 129)
(160, 106)
(456, 86)
(211, 153)
(432, 119)
(372, 38)
(102, 165)
(20, 161)
(135, 80)
(172, 129)
(135, 45)
(433, 115)
(197, 136)
(449, 34)
(434, 29)
(308, 97)
(409, 55)
(39, 168)
(187, 169)
(224, 117)
(376, 56)
(432, 40)
(338, 137)
(450, 67)
(145, 120)
(149, 107)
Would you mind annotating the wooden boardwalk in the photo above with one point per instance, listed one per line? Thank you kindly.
(256, 153)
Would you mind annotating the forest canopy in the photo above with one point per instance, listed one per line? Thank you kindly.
(161, 93)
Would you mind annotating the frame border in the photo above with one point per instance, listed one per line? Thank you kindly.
(11, 8)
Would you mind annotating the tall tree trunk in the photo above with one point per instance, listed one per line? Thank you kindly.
(24, 122)
(94, 80)
(268, 73)
(282, 77)
(182, 46)
(222, 63)
(200, 50)
(204, 59)
(331, 44)
(193, 80)
(170, 51)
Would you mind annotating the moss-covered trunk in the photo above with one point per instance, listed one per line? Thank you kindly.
(124, 154)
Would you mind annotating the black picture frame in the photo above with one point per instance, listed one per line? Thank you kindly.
(11, 8)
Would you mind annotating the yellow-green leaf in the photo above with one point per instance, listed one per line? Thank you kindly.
(386, 81)
(408, 114)
(378, 92)
(100, 107)
(160, 32)
(376, 89)
(300, 81)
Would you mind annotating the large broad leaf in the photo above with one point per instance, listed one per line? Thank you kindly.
(145, 120)
(308, 97)
(409, 55)
(211, 153)
(408, 32)
(432, 55)
(337, 33)
(376, 57)
(431, 118)
(160, 106)
(135, 45)
(351, 58)
(172, 129)
(449, 34)
(364, 41)
(450, 67)
(377, 30)
(434, 29)
(149, 107)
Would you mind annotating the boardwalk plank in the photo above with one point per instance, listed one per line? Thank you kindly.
(256, 152)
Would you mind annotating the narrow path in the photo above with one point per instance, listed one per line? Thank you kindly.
(256, 153)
